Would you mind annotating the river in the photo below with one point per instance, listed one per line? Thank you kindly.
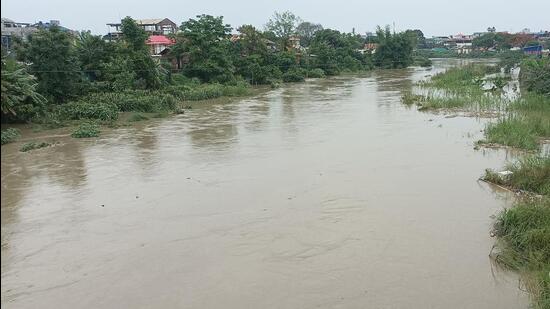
(323, 194)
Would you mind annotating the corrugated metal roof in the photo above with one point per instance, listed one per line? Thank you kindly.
(151, 21)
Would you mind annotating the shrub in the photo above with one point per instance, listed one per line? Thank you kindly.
(9, 135)
(316, 73)
(85, 109)
(294, 75)
(33, 145)
(422, 61)
(535, 75)
(86, 129)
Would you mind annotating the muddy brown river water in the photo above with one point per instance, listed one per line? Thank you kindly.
(324, 194)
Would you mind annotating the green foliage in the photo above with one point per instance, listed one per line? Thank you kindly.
(146, 70)
(510, 59)
(20, 100)
(88, 108)
(493, 40)
(205, 41)
(517, 131)
(86, 129)
(316, 73)
(463, 79)
(9, 135)
(294, 75)
(283, 26)
(524, 234)
(306, 31)
(33, 145)
(422, 61)
(54, 62)
(535, 75)
(531, 174)
(394, 50)
(334, 52)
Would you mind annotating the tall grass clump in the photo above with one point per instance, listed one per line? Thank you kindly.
(463, 78)
(9, 135)
(530, 173)
(523, 245)
(518, 131)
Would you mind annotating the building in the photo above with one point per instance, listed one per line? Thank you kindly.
(12, 29)
(461, 43)
(156, 26)
(533, 50)
(158, 43)
(369, 48)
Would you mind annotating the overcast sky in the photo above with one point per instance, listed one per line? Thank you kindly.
(433, 17)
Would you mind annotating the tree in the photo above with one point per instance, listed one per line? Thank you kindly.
(136, 51)
(205, 41)
(306, 31)
(394, 50)
(20, 100)
(283, 26)
(333, 52)
(53, 60)
(417, 38)
(493, 40)
(93, 54)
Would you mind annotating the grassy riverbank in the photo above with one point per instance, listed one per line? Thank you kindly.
(523, 122)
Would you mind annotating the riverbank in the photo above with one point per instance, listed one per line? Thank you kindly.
(522, 121)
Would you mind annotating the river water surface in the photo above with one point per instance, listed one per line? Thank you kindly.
(324, 194)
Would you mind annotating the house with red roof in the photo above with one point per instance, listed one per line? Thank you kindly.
(158, 43)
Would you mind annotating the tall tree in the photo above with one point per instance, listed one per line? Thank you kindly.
(205, 41)
(137, 53)
(283, 26)
(20, 100)
(394, 49)
(306, 31)
(53, 61)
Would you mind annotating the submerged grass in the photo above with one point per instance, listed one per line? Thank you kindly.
(524, 245)
(525, 126)
(33, 145)
(9, 135)
(530, 173)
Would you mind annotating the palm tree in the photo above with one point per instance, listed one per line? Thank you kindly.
(18, 88)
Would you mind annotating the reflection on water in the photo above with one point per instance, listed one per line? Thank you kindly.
(328, 193)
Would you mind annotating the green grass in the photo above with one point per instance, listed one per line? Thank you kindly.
(137, 117)
(86, 129)
(10, 135)
(516, 131)
(461, 79)
(33, 145)
(530, 173)
(523, 245)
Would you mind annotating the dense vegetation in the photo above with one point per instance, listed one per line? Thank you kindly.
(55, 77)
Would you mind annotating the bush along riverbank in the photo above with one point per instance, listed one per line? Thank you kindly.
(523, 122)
